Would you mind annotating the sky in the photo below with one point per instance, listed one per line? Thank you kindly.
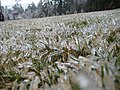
(24, 3)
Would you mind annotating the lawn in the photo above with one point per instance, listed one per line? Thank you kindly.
(72, 52)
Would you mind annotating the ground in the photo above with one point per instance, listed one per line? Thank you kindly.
(72, 52)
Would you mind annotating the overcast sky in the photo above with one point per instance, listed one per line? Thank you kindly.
(24, 3)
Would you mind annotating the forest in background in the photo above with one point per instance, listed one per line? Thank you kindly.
(57, 7)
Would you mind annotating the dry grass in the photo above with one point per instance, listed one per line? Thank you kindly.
(73, 52)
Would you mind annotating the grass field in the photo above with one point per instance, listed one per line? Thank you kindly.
(72, 52)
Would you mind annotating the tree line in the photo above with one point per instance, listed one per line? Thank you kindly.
(61, 7)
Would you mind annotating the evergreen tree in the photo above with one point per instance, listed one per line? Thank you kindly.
(32, 7)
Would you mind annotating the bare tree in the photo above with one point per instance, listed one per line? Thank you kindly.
(17, 1)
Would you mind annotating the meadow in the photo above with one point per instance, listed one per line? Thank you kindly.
(72, 52)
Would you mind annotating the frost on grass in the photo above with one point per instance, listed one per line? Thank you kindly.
(73, 52)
